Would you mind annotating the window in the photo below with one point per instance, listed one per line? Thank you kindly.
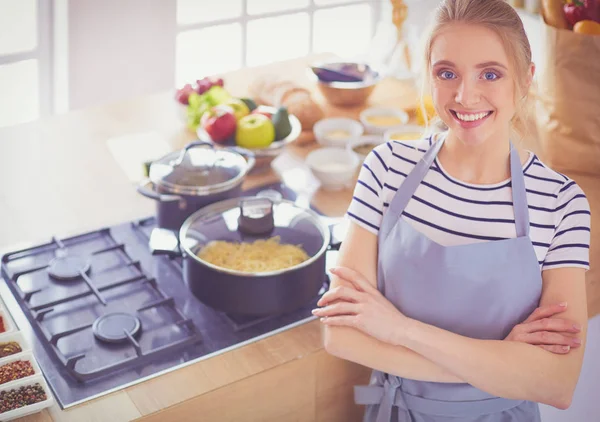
(25, 92)
(233, 34)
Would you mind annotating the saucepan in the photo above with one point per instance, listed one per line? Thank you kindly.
(184, 181)
(247, 219)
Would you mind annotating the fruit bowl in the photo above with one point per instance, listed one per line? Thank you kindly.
(263, 156)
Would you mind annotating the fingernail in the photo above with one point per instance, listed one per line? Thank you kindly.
(314, 311)
(577, 327)
(323, 319)
(577, 340)
(566, 348)
(563, 304)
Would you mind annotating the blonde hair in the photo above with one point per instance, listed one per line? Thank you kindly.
(501, 18)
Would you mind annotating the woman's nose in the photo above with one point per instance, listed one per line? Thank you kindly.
(468, 93)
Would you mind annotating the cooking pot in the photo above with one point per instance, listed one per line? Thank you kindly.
(184, 181)
(247, 219)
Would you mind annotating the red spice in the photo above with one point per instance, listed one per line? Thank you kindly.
(2, 327)
(15, 370)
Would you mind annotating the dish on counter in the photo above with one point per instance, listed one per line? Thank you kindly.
(36, 392)
(404, 133)
(377, 120)
(363, 145)
(334, 167)
(344, 83)
(337, 131)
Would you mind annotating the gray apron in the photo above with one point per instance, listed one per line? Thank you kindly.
(479, 290)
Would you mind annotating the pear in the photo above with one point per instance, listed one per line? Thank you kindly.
(281, 121)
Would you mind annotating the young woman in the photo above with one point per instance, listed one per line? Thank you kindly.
(461, 280)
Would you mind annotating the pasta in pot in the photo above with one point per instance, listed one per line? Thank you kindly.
(262, 255)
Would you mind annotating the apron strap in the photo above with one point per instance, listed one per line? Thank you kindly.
(407, 189)
(519, 194)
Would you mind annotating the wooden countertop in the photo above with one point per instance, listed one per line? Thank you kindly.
(59, 178)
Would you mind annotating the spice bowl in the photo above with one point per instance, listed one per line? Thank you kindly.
(337, 131)
(363, 145)
(30, 408)
(24, 357)
(333, 167)
(18, 338)
(7, 321)
(377, 120)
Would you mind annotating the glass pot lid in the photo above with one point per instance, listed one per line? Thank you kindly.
(247, 219)
(201, 169)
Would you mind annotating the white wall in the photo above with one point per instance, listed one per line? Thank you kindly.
(119, 49)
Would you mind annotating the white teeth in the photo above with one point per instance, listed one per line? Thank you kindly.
(472, 117)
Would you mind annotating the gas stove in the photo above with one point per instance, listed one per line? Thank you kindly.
(103, 313)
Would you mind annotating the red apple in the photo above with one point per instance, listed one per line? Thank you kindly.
(182, 95)
(219, 122)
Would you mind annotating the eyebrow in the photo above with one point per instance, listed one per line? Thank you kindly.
(479, 66)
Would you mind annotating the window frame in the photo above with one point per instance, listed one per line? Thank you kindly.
(42, 53)
(311, 9)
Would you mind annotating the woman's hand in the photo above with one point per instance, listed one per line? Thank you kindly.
(552, 334)
(360, 305)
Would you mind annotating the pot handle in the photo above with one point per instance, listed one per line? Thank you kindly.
(149, 192)
(337, 227)
(164, 242)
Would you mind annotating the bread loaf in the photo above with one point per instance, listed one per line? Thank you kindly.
(275, 92)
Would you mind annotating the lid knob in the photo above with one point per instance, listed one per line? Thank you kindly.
(256, 216)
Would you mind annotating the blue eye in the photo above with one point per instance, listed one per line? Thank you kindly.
(446, 74)
(490, 76)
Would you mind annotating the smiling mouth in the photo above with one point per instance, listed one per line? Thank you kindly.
(471, 117)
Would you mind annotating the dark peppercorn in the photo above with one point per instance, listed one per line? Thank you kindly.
(22, 396)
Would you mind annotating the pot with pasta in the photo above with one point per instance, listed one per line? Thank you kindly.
(253, 255)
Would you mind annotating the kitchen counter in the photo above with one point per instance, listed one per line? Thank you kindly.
(59, 178)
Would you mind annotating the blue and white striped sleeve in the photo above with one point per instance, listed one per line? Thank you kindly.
(366, 207)
(570, 246)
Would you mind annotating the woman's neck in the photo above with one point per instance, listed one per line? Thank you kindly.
(486, 163)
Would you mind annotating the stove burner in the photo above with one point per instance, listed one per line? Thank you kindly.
(112, 328)
(68, 267)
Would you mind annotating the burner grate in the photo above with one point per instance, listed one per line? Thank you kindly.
(65, 268)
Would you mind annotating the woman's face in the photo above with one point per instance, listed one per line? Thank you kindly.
(472, 82)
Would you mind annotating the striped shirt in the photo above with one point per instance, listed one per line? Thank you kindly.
(451, 212)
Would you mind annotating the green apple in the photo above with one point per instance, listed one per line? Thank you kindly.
(255, 131)
(240, 109)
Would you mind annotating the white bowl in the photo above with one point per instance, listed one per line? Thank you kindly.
(380, 129)
(7, 319)
(325, 128)
(371, 140)
(18, 337)
(334, 167)
(406, 130)
(24, 356)
(32, 408)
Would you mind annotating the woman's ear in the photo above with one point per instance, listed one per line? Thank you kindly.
(530, 74)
